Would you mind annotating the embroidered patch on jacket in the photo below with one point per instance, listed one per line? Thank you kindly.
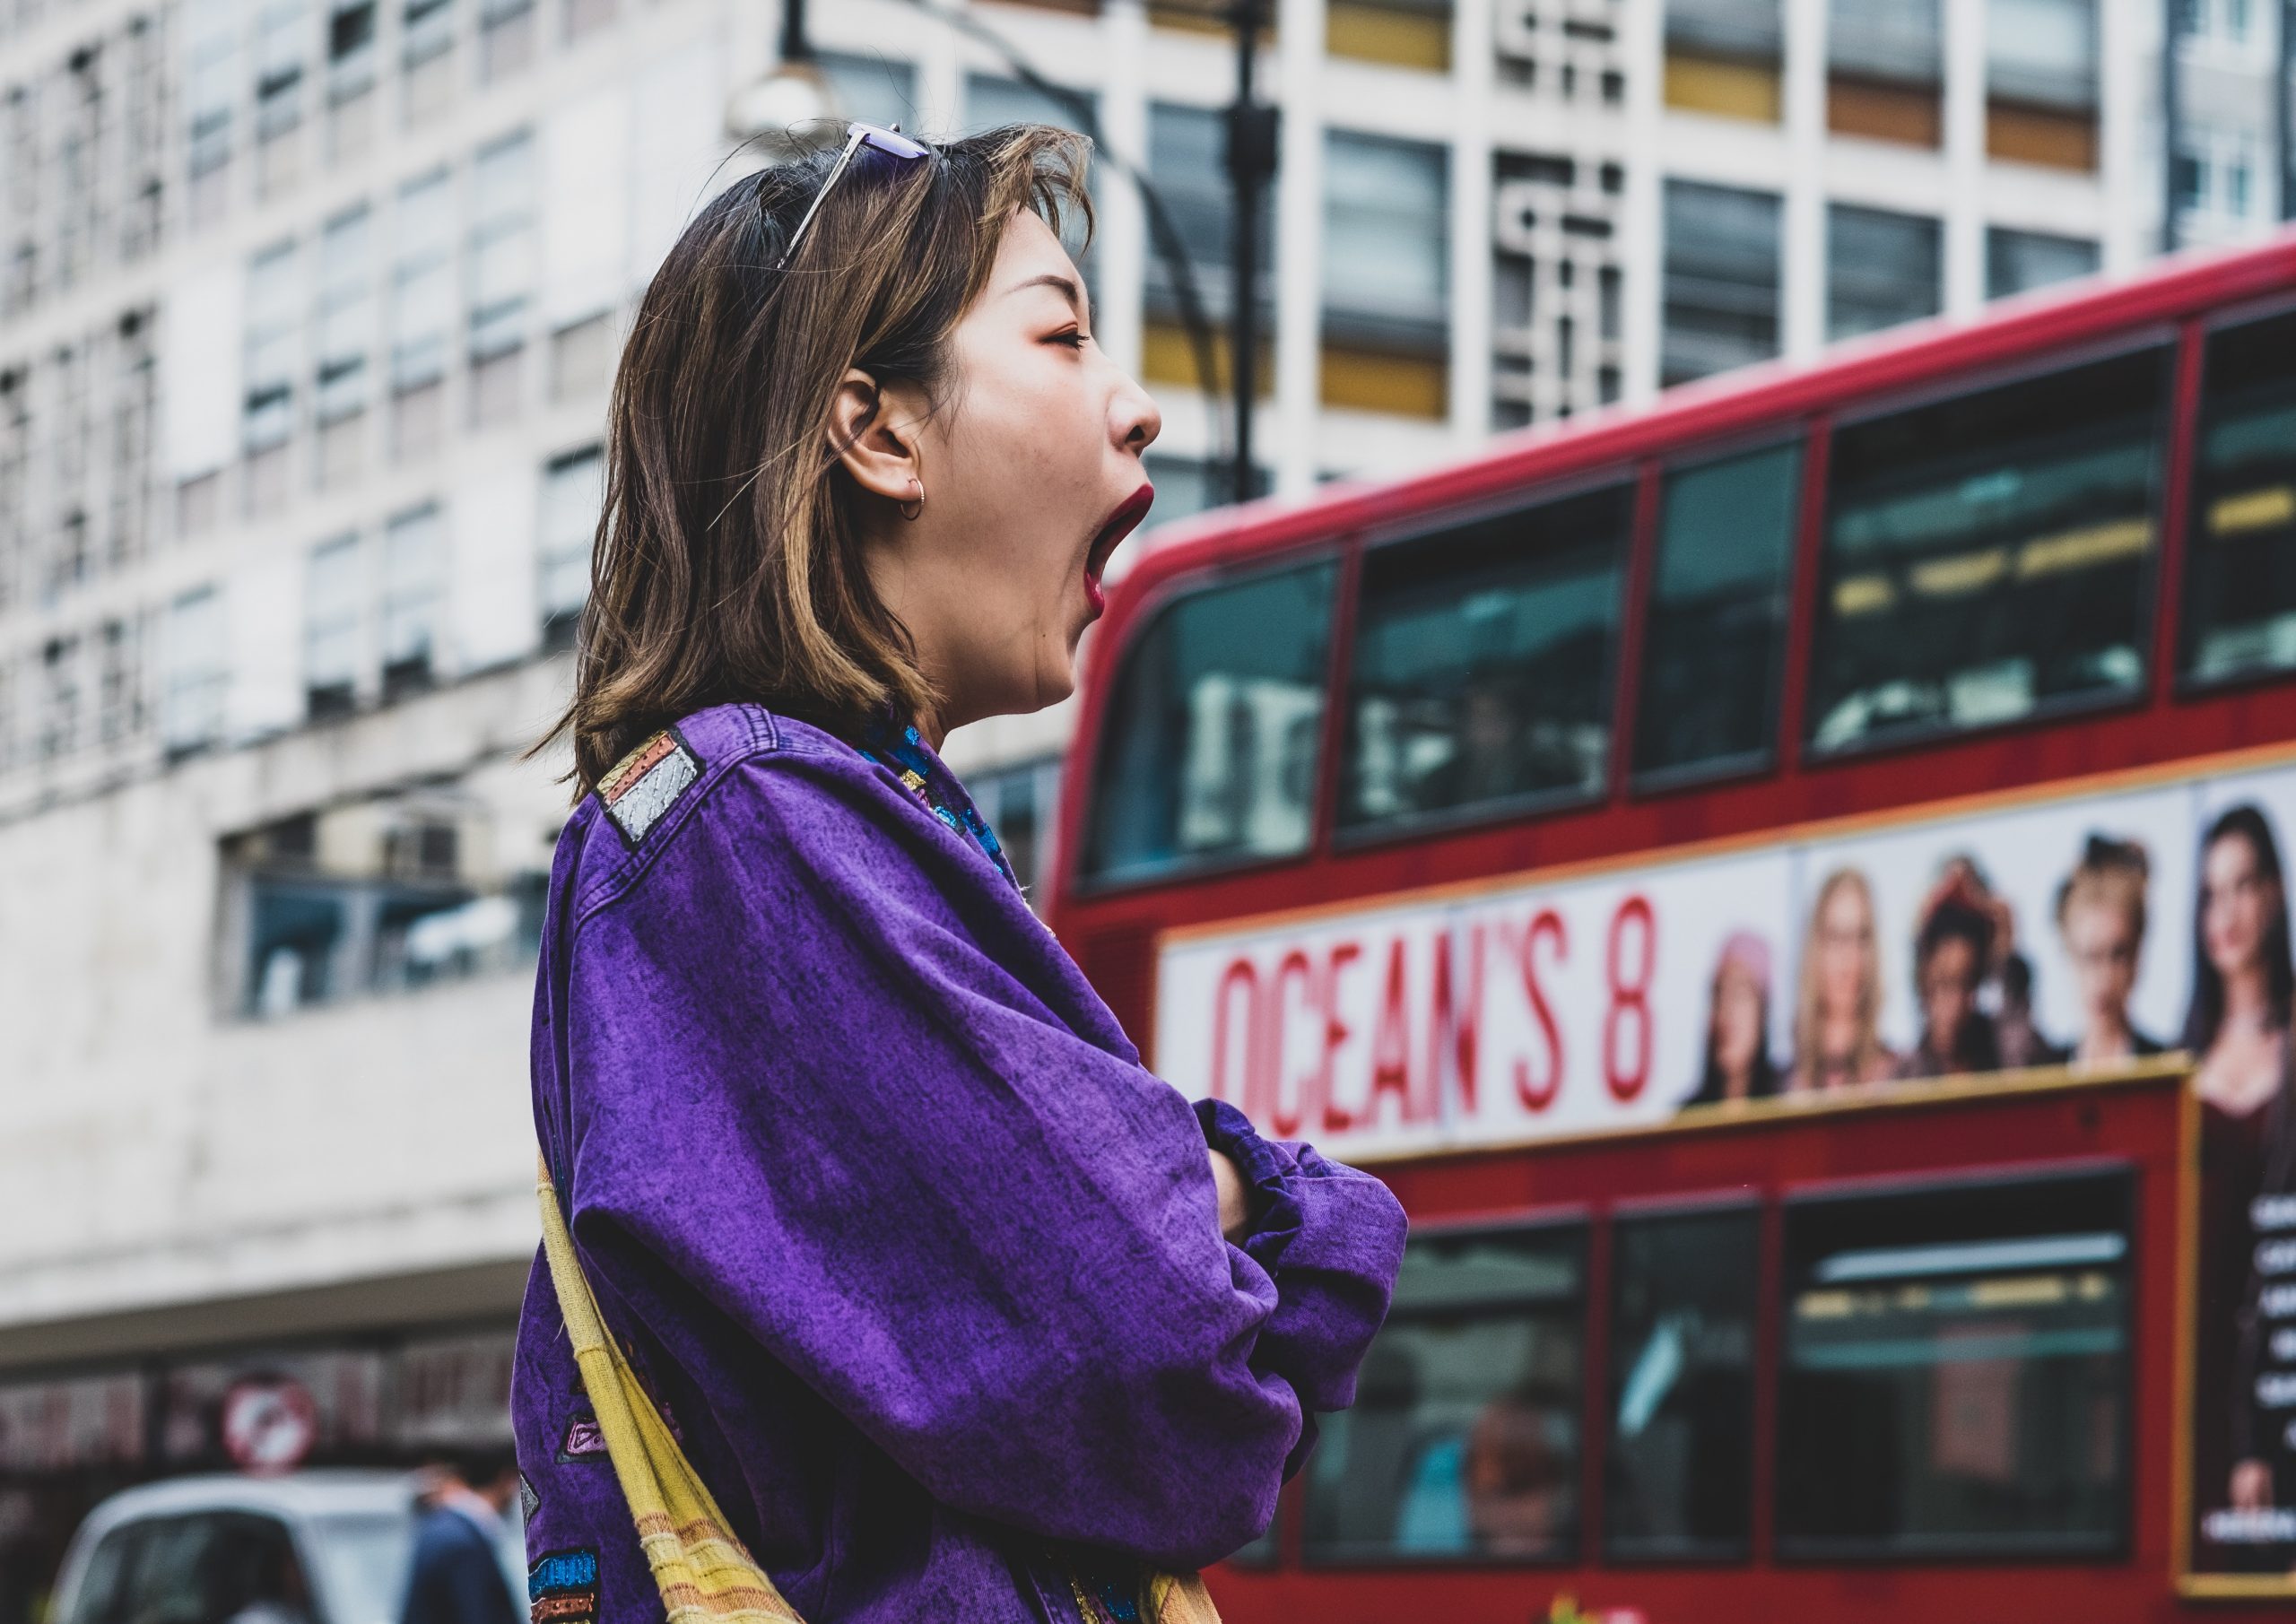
(583, 1441)
(529, 1502)
(562, 1587)
(647, 782)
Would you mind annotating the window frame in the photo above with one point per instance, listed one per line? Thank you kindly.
(1591, 1222)
(2176, 597)
(1623, 474)
(2168, 336)
(2125, 1174)
(1337, 549)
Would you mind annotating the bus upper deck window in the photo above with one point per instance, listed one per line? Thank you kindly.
(1954, 1377)
(1464, 1440)
(1716, 637)
(1209, 742)
(1678, 1474)
(1481, 667)
(2241, 578)
(1986, 556)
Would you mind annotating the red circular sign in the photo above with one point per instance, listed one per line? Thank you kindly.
(269, 1424)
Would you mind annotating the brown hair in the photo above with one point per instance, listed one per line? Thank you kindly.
(2110, 872)
(727, 563)
(1867, 1057)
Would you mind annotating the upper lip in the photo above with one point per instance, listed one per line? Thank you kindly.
(1118, 525)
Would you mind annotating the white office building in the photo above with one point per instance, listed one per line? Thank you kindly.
(307, 309)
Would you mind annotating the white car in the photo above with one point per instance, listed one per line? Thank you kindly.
(311, 1548)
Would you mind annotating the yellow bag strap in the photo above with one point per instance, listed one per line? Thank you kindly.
(704, 1575)
(698, 1565)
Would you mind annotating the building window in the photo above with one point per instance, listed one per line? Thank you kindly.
(1885, 69)
(1387, 275)
(59, 718)
(350, 47)
(570, 496)
(2241, 557)
(2041, 82)
(877, 90)
(2017, 262)
(1482, 664)
(212, 57)
(1721, 291)
(1956, 1374)
(1556, 326)
(2214, 175)
(1400, 34)
(501, 270)
(388, 894)
(282, 44)
(1216, 720)
(422, 308)
(345, 314)
(506, 37)
(333, 599)
(1187, 158)
(191, 696)
(1723, 57)
(426, 61)
(1189, 485)
(991, 102)
(414, 594)
(1986, 556)
(118, 704)
(1882, 269)
(1463, 1442)
(271, 353)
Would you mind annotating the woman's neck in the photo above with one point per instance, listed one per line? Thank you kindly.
(2244, 995)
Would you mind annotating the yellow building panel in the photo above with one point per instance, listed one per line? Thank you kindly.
(1373, 380)
(1723, 86)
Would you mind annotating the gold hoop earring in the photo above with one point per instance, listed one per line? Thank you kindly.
(909, 509)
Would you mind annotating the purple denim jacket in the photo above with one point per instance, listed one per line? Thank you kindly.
(920, 1264)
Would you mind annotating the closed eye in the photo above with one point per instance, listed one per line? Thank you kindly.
(1076, 338)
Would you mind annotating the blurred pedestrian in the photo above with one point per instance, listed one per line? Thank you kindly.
(457, 1577)
(958, 1312)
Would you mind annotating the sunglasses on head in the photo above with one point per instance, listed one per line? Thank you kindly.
(876, 138)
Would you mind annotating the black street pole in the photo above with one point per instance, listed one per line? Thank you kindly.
(795, 45)
(1251, 163)
(2171, 111)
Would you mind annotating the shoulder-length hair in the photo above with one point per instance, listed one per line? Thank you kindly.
(727, 563)
(1866, 1056)
(2247, 822)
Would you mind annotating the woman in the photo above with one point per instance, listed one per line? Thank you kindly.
(1949, 963)
(1738, 1065)
(1837, 1037)
(2237, 1030)
(2100, 918)
(923, 1268)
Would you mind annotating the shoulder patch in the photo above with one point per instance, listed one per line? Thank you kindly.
(647, 782)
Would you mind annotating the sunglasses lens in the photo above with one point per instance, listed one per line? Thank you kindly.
(891, 143)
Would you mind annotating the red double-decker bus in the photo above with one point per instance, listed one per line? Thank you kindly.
(1788, 887)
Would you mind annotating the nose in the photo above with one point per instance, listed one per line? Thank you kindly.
(1133, 419)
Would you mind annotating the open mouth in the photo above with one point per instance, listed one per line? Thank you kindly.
(1119, 525)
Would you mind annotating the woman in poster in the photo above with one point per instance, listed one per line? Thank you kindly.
(1948, 962)
(2101, 919)
(2237, 1030)
(1837, 1017)
(1738, 1064)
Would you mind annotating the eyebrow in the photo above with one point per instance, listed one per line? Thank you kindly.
(1066, 286)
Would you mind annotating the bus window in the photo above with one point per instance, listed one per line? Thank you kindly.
(2240, 583)
(1483, 663)
(1209, 742)
(1955, 1377)
(1716, 636)
(1464, 1439)
(1986, 556)
(1679, 1470)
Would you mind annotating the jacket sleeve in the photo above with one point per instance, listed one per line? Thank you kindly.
(804, 1088)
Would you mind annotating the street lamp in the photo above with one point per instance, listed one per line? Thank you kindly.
(796, 96)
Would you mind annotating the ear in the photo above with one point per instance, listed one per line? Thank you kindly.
(873, 433)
